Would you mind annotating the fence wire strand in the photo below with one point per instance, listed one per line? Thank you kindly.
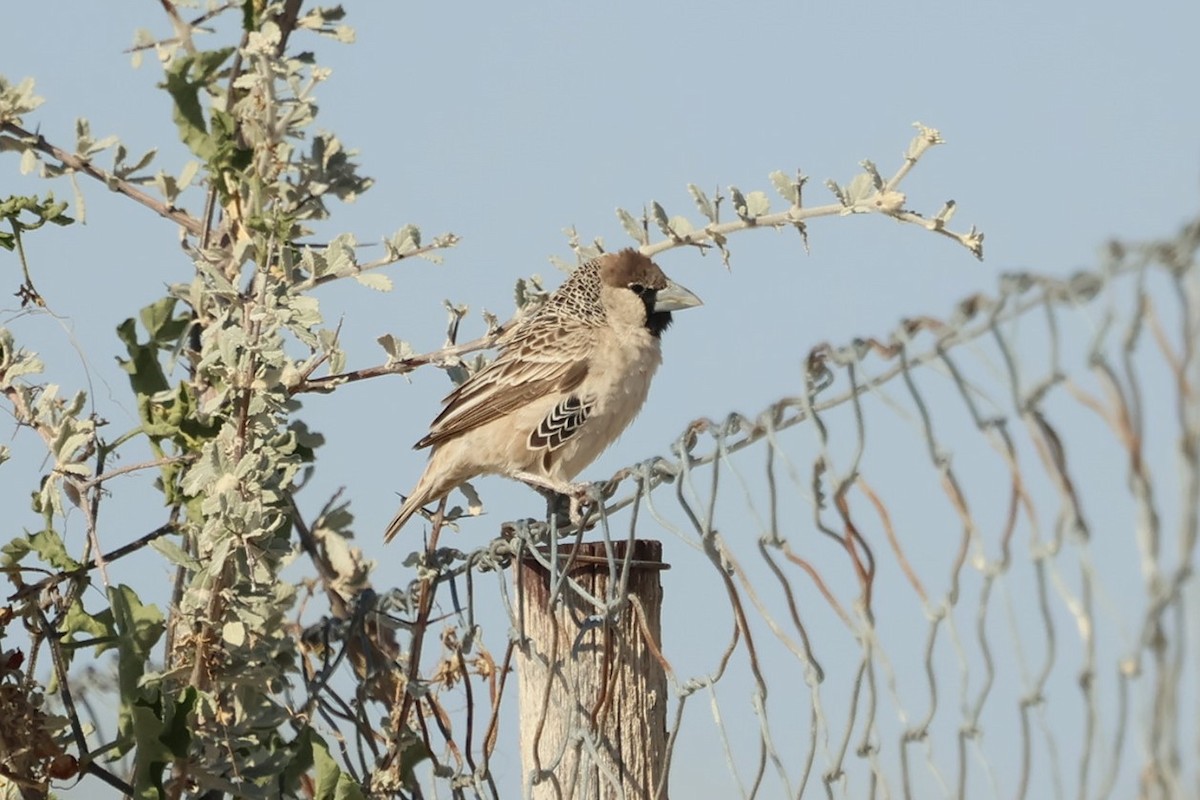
(957, 563)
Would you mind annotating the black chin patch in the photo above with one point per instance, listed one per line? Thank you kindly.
(657, 322)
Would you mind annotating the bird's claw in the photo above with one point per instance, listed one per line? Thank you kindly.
(579, 499)
(581, 496)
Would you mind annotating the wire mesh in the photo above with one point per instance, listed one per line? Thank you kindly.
(956, 563)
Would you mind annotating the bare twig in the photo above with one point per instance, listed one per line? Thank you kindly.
(440, 243)
(120, 552)
(886, 200)
(402, 366)
(118, 185)
(158, 462)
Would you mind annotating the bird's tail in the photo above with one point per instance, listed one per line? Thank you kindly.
(410, 506)
(406, 510)
(426, 491)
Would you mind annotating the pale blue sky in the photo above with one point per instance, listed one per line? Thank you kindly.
(1067, 124)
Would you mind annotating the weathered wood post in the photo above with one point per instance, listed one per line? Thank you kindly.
(593, 700)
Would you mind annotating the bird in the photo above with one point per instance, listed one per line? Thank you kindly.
(567, 381)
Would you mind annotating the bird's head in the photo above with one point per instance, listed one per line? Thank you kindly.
(636, 293)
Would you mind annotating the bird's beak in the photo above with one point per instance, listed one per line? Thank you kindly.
(675, 298)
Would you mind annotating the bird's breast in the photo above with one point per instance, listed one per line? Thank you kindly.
(618, 378)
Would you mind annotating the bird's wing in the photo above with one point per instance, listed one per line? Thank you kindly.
(547, 358)
(557, 427)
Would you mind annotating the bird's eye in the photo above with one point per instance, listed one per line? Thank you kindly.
(637, 288)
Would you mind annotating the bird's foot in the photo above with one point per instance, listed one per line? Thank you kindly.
(579, 496)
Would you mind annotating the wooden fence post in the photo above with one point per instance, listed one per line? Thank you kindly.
(593, 701)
